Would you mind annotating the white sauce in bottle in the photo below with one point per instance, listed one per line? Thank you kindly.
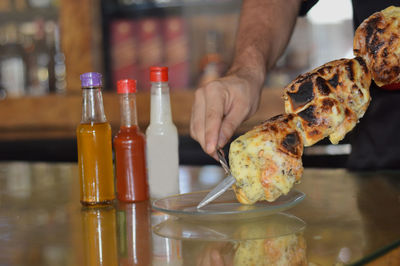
(162, 145)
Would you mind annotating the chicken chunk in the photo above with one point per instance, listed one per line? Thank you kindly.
(377, 40)
(266, 161)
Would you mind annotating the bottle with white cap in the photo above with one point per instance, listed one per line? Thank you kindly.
(161, 139)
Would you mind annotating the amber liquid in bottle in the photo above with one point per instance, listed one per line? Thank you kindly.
(95, 163)
(94, 146)
(129, 145)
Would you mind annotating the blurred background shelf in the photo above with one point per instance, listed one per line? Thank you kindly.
(61, 113)
(46, 44)
(48, 133)
(186, 36)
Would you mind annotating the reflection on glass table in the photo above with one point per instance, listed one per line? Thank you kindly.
(273, 240)
(283, 250)
(350, 218)
(99, 235)
(271, 226)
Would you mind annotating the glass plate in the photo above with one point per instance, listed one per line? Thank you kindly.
(275, 225)
(226, 207)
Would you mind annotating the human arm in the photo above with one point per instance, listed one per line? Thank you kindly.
(222, 105)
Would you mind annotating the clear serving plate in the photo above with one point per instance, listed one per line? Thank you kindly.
(272, 226)
(226, 207)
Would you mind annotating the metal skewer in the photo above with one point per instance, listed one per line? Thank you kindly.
(221, 187)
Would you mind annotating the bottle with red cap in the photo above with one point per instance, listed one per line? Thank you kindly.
(161, 139)
(129, 145)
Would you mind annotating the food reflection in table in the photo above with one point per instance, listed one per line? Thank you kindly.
(273, 240)
(284, 250)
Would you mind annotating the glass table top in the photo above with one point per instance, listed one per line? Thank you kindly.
(345, 218)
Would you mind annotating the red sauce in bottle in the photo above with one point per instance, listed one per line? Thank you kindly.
(129, 145)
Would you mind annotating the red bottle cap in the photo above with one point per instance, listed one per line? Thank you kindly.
(159, 74)
(126, 86)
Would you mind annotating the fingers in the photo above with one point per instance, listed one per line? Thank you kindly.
(218, 109)
(213, 116)
(231, 122)
(197, 119)
(207, 114)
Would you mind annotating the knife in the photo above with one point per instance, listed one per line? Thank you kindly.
(217, 191)
(221, 187)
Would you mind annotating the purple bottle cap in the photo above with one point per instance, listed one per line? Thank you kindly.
(91, 79)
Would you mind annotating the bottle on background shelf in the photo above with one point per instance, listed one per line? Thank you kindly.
(59, 63)
(42, 85)
(150, 48)
(129, 145)
(94, 145)
(212, 65)
(124, 47)
(12, 65)
(162, 139)
(45, 67)
(176, 51)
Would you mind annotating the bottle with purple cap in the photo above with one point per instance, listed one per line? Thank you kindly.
(94, 145)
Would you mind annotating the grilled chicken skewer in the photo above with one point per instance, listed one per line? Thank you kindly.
(328, 101)
(325, 102)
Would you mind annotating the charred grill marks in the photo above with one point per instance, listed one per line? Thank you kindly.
(370, 28)
(347, 112)
(350, 71)
(374, 47)
(322, 87)
(274, 118)
(361, 61)
(274, 128)
(327, 104)
(291, 143)
(393, 37)
(385, 52)
(304, 94)
(315, 132)
(308, 115)
(334, 81)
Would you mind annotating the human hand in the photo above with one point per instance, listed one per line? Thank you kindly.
(220, 107)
